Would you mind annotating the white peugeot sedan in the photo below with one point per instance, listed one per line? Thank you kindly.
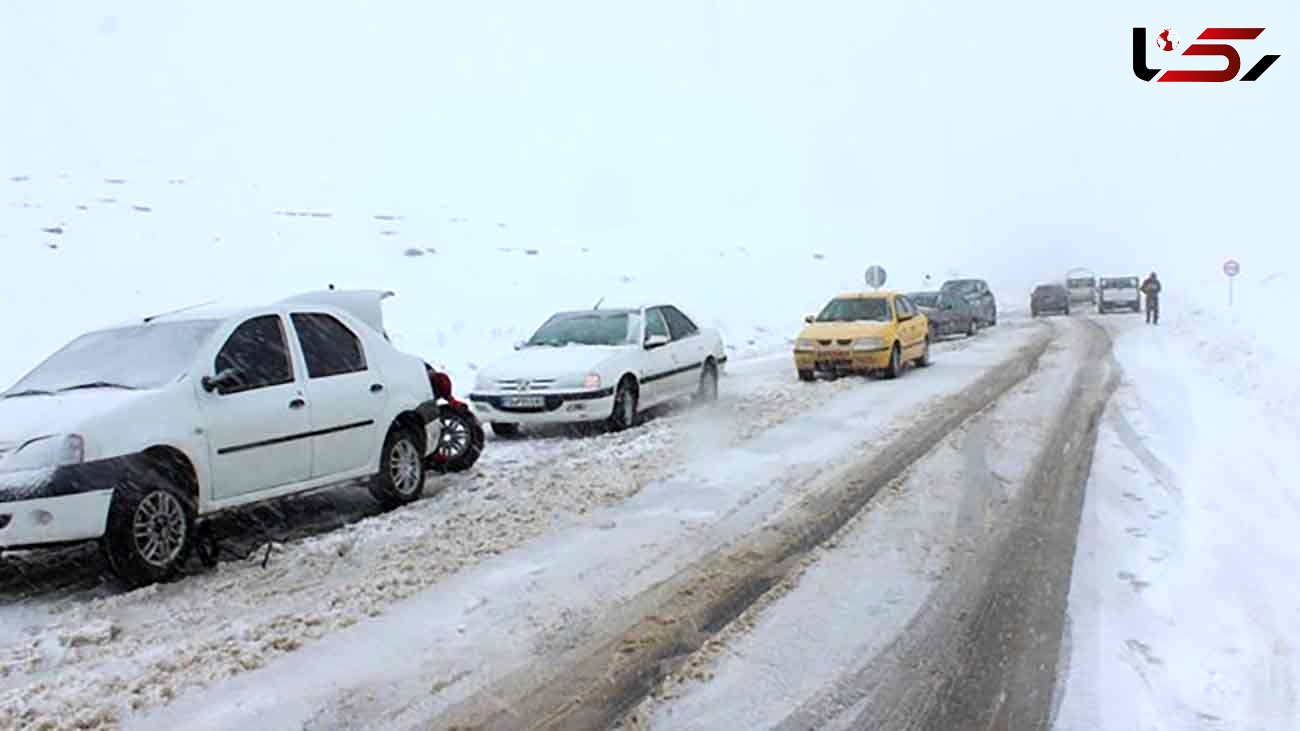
(133, 434)
(602, 365)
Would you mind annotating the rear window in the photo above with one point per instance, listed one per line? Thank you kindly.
(1081, 282)
(1119, 283)
(925, 299)
(962, 286)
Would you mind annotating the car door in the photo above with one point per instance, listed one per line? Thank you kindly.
(657, 362)
(257, 419)
(347, 395)
(688, 350)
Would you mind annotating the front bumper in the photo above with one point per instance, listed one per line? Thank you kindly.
(556, 408)
(840, 361)
(63, 519)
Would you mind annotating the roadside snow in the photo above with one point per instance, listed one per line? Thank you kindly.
(1182, 610)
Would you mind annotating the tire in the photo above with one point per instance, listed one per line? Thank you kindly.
(150, 531)
(461, 442)
(924, 361)
(707, 393)
(807, 376)
(972, 328)
(994, 321)
(895, 367)
(401, 470)
(505, 430)
(624, 414)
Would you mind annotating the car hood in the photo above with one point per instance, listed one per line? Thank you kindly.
(26, 417)
(845, 330)
(567, 365)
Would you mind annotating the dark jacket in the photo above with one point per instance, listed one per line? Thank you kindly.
(1151, 287)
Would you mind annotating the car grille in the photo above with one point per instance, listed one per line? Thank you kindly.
(521, 385)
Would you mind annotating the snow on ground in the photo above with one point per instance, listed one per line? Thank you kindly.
(86, 252)
(474, 628)
(797, 650)
(152, 645)
(1184, 612)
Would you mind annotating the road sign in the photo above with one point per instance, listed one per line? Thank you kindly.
(875, 276)
(1231, 267)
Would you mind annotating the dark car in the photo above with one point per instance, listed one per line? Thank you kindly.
(948, 313)
(1049, 298)
(977, 293)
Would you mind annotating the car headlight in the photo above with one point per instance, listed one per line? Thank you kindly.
(805, 344)
(591, 381)
(53, 450)
(869, 344)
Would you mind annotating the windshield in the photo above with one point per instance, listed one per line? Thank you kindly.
(962, 286)
(1077, 283)
(588, 328)
(1120, 283)
(853, 309)
(925, 299)
(137, 357)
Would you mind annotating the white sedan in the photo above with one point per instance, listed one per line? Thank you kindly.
(600, 366)
(134, 434)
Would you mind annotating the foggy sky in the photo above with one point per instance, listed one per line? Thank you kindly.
(1010, 135)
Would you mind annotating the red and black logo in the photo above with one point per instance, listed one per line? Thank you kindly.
(1167, 41)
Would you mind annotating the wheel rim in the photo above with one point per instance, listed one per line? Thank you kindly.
(710, 385)
(626, 406)
(159, 528)
(404, 467)
(454, 440)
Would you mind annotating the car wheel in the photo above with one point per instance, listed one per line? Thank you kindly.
(807, 376)
(895, 368)
(401, 470)
(461, 442)
(624, 415)
(924, 361)
(505, 430)
(994, 321)
(971, 328)
(150, 530)
(708, 390)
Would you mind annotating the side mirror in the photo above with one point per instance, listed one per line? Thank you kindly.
(809, 319)
(224, 379)
(655, 341)
(519, 345)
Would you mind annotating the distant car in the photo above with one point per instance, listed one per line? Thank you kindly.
(605, 365)
(977, 293)
(863, 332)
(135, 433)
(1119, 293)
(1047, 298)
(948, 313)
(1082, 289)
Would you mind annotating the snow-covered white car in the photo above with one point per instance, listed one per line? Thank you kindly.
(601, 365)
(136, 433)
(1118, 293)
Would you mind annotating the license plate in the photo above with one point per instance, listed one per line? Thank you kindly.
(523, 402)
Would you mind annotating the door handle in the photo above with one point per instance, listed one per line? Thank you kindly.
(297, 403)
(376, 387)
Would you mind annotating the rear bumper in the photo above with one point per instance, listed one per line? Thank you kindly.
(557, 408)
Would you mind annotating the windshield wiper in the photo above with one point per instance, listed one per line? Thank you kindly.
(98, 384)
(28, 392)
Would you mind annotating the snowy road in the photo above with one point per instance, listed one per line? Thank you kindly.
(873, 632)
(76, 653)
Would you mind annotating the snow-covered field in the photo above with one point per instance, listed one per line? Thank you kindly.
(1184, 611)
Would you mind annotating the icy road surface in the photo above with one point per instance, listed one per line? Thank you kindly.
(573, 585)
(76, 653)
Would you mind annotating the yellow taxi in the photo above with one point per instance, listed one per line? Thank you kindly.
(863, 332)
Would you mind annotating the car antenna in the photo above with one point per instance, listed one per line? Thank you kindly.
(597, 307)
(151, 318)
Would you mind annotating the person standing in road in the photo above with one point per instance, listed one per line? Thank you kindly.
(1151, 288)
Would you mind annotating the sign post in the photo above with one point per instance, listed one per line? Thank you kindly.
(1232, 269)
(875, 276)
